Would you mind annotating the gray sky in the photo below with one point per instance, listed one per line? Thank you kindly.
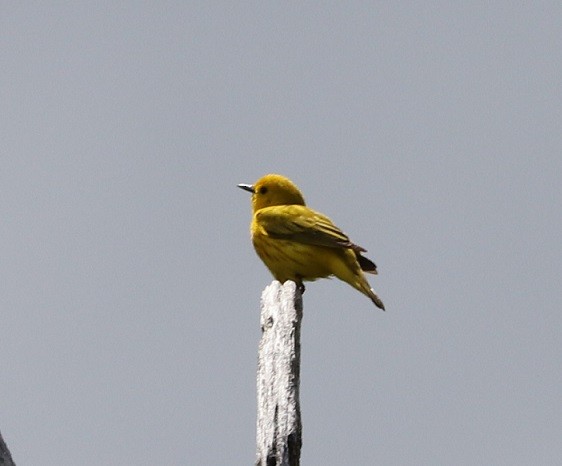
(429, 132)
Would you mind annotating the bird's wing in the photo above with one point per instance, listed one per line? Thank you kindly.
(301, 224)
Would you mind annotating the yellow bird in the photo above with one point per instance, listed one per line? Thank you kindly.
(299, 244)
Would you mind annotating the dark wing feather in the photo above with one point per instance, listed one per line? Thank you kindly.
(367, 265)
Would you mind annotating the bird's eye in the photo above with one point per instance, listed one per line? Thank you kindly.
(263, 190)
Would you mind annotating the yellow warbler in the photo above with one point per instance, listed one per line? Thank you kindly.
(299, 244)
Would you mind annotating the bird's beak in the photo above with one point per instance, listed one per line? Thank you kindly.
(247, 187)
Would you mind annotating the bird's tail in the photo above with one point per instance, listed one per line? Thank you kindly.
(363, 286)
(350, 270)
(375, 298)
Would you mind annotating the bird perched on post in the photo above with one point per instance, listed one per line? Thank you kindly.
(299, 244)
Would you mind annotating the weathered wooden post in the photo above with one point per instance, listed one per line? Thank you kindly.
(279, 428)
(5, 457)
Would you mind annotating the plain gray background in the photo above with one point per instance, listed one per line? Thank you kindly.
(429, 132)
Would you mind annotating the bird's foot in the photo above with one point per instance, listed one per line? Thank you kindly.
(300, 285)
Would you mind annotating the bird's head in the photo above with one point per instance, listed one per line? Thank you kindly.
(273, 190)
